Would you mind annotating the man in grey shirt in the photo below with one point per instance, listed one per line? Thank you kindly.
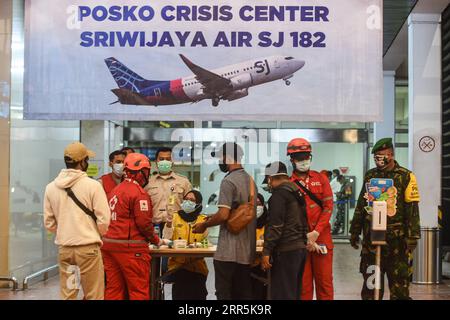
(235, 252)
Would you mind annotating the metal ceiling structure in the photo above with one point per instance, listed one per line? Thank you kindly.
(395, 13)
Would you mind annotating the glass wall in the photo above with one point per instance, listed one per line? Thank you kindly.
(37, 148)
(401, 123)
(335, 146)
(36, 158)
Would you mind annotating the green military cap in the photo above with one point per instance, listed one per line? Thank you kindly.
(382, 144)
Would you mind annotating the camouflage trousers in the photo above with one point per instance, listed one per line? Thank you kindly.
(395, 264)
(340, 218)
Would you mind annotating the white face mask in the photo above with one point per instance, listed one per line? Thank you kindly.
(303, 166)
(259, 211)
(118, 169)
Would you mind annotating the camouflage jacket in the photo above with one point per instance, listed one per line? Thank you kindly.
(403, 217)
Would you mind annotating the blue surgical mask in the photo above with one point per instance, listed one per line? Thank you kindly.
(188, 206)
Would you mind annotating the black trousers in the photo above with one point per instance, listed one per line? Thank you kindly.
(189, 285)
(286, 274)
(233, 281)
(259, 289)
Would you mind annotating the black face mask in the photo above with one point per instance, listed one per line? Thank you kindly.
(145, 179)
(223, 167)
(84, 166)
(382, 162)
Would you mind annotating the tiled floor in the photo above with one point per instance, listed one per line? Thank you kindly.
(347, 281)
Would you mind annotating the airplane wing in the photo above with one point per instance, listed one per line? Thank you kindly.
(213, 83)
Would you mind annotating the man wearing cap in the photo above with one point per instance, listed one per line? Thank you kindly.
(235, 252)
(403, 224)
(78, 233)
(316, 188)
(285, 234)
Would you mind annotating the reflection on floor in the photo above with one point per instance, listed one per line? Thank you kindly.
(347, 282)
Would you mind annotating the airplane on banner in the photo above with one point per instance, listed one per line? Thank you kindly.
(228, 83)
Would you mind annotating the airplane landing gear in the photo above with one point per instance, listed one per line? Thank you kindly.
(288, 83)
(215, 101)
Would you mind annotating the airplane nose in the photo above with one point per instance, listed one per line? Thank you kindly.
(298, 64)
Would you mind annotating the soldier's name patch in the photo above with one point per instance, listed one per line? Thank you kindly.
(144, 205)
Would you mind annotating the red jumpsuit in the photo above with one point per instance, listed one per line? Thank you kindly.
(126, 255)
(108, 183)
(318, 267)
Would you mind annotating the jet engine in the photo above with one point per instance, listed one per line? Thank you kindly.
(237, 94)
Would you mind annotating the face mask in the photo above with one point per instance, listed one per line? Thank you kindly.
(259, 211)
(84, 166)
(303, 166)
(188, 206)
(118, 169)
(382, 161)
(223, 167)
(164, 166)
(268, 187)
(145, 176)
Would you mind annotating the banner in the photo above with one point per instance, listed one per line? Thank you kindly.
(310, 60)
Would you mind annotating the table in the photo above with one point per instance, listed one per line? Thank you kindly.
(158, 253)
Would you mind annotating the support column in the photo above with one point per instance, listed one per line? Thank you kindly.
(387, 127)
(5, 85)
(93, 134)
(425, 111)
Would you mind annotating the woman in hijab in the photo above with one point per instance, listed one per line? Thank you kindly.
(189, 279)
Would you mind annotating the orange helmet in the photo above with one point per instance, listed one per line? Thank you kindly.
(136, 162)
(298, 145)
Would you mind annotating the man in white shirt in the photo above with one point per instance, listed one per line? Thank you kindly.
(78, 230)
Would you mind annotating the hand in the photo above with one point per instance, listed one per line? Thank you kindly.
(312, 236)
(199, 227)
(163, 242)
(265, 263)
(313, 247)
(354, 240)
(412, 244)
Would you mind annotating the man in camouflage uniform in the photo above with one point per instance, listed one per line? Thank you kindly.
(403, 226)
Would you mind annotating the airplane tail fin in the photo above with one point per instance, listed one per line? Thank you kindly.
(127, 78)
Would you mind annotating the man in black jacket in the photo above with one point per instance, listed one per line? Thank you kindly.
(285, 234)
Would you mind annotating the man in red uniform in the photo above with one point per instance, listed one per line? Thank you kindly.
(319, 202)
(125, 250)
(111, 180)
